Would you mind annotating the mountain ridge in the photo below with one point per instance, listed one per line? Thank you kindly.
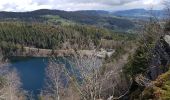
(140, 13)
(97, 18)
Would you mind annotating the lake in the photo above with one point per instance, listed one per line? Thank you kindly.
(31, 72)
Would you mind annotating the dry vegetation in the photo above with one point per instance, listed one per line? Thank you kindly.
(10, 85)
(87, 77)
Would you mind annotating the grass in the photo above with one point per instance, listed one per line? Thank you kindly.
(58, 20)
(160, 90)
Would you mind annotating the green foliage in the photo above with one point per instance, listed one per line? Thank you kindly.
(16, 35)
(124, 36)
(9, 48)
(120, 50)
(47, 36)
(148, 93)
(57, 20)
(138, 62)
(167, 26)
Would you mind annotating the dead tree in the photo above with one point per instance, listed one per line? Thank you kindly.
(54, 86)
(10, 85)
(13, 85)
(84, 74)
(89, 69)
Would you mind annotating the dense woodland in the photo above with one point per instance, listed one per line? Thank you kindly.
(88, 78)
(16, 35)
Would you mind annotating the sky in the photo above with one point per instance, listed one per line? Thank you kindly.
(73, 5)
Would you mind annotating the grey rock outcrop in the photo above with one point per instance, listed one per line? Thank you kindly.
(160, 60)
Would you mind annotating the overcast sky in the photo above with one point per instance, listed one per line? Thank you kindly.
(72, 5)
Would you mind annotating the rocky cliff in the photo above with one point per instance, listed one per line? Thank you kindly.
(160, 60)
(159, 64)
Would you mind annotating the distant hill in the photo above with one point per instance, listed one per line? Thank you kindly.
(139, 13)
(119, 20)
(64, 14)
(91, 17)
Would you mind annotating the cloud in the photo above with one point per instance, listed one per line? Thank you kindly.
(29, 5)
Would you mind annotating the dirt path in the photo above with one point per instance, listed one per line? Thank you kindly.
(35, 52)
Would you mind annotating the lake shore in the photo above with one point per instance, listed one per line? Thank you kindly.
(36, 52)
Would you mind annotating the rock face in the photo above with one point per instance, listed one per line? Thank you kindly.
(159, 64)
(160, 61)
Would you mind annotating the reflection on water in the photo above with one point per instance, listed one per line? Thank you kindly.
(32, 73)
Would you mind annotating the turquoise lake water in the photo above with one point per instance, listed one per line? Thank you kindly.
(31, 72)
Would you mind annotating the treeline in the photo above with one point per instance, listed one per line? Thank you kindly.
(14, 35)
(48, 36)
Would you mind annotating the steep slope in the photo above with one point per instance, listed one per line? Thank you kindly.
(152, 80)
(161, 60)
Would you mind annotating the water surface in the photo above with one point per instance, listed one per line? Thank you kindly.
(31, 72)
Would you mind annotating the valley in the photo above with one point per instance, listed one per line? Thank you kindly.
(49, 54)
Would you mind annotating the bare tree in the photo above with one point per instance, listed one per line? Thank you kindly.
(13, 85)
(83, 73)
(10, 85)
(86, 76)
(54, 85)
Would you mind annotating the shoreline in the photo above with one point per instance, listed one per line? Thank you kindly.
(36, 52)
